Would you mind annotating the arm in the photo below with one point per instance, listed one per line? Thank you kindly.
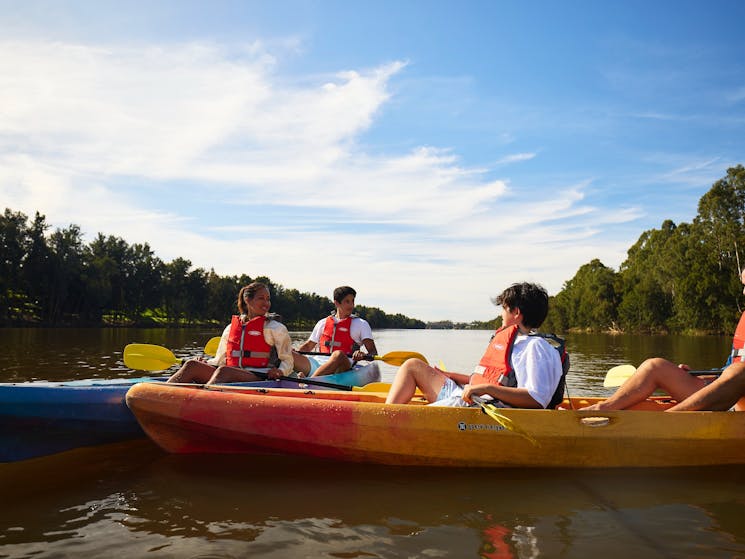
(370, 350)
(222, 350)
(307, 345)
(315, 336)
(280, 339)
(459, 378)
(516, 397)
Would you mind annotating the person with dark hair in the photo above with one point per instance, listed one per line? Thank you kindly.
(518, 369)
(252, 340)
(341, 335)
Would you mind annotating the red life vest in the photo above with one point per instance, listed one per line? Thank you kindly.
(495, 365)
(738, 342)
(246, 344)
(337, 336)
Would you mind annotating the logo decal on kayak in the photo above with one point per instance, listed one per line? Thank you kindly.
(463, 426)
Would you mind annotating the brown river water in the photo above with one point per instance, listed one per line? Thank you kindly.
(133, 500)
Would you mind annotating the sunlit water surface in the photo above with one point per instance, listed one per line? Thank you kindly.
(133, 500)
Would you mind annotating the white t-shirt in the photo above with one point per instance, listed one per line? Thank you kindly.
(537, 367)
(359, 330)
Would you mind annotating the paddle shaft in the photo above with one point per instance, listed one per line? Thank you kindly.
(265, 376)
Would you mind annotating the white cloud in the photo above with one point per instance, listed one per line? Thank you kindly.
(185, 146)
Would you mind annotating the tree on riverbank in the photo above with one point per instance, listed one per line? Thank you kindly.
(678, 278)
(58, 279)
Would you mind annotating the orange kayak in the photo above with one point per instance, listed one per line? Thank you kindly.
(360, 427)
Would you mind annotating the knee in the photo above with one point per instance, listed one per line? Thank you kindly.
(337, 355)
(654, 363)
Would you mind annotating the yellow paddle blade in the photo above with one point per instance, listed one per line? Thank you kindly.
(618, 375)
(398, 357)
(379, 387)
(147, 357)
(503, 420)
(212, 345)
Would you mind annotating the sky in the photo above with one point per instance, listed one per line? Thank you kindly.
(427, 153)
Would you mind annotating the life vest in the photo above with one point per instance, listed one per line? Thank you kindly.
(246, 344)
(738, 342)
(337, 336)
(495, 366)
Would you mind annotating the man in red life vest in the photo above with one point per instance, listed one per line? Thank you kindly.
(693, 393)
(518, 369)
(341, 335)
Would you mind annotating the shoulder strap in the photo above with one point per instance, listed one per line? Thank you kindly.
(560, 345)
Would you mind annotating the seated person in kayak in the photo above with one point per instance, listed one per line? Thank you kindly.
(252, 340)
(518, 369)
(693, 393)
(341, 335)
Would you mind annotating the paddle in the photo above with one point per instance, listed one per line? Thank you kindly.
(616, 376)
(392, 357)
(212, 345)
(298, 380)
(149, 357)
(503, 420)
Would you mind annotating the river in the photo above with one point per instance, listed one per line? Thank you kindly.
(133, 500)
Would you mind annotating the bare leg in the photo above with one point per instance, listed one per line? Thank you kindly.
(719, 395)
(412, 374)
(337, 363)
(300, 363)
(193, 371)
(653, 374)
(232, 374)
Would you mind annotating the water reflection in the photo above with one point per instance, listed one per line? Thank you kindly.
(132, 496)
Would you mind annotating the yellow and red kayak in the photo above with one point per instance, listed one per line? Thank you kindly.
(359, 427)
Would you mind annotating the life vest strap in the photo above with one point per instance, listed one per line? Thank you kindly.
(248, 354)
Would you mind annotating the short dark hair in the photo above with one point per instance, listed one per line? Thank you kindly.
(343, 291)
(530, 298)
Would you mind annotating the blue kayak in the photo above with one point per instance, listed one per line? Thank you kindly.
(40, 418)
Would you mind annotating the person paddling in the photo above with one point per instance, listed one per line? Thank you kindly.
(341, 335)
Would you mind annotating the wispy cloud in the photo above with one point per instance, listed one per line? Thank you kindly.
(206, 153)
(514, 158)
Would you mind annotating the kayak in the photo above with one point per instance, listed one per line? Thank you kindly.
(360, 427)
(40, 418)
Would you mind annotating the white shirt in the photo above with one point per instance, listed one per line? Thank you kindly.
(275, 334)
(537, 367)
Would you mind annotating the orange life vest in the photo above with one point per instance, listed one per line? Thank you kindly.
(337, 336)
(738, 341)
(496, 366)
(246, 344)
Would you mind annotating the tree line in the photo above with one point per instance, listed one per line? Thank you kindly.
(58, 279)
(682, 278)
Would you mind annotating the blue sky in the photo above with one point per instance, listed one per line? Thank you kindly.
(427, 153)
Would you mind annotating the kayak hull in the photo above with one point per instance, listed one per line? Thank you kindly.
(40, 418)
(358, 427)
